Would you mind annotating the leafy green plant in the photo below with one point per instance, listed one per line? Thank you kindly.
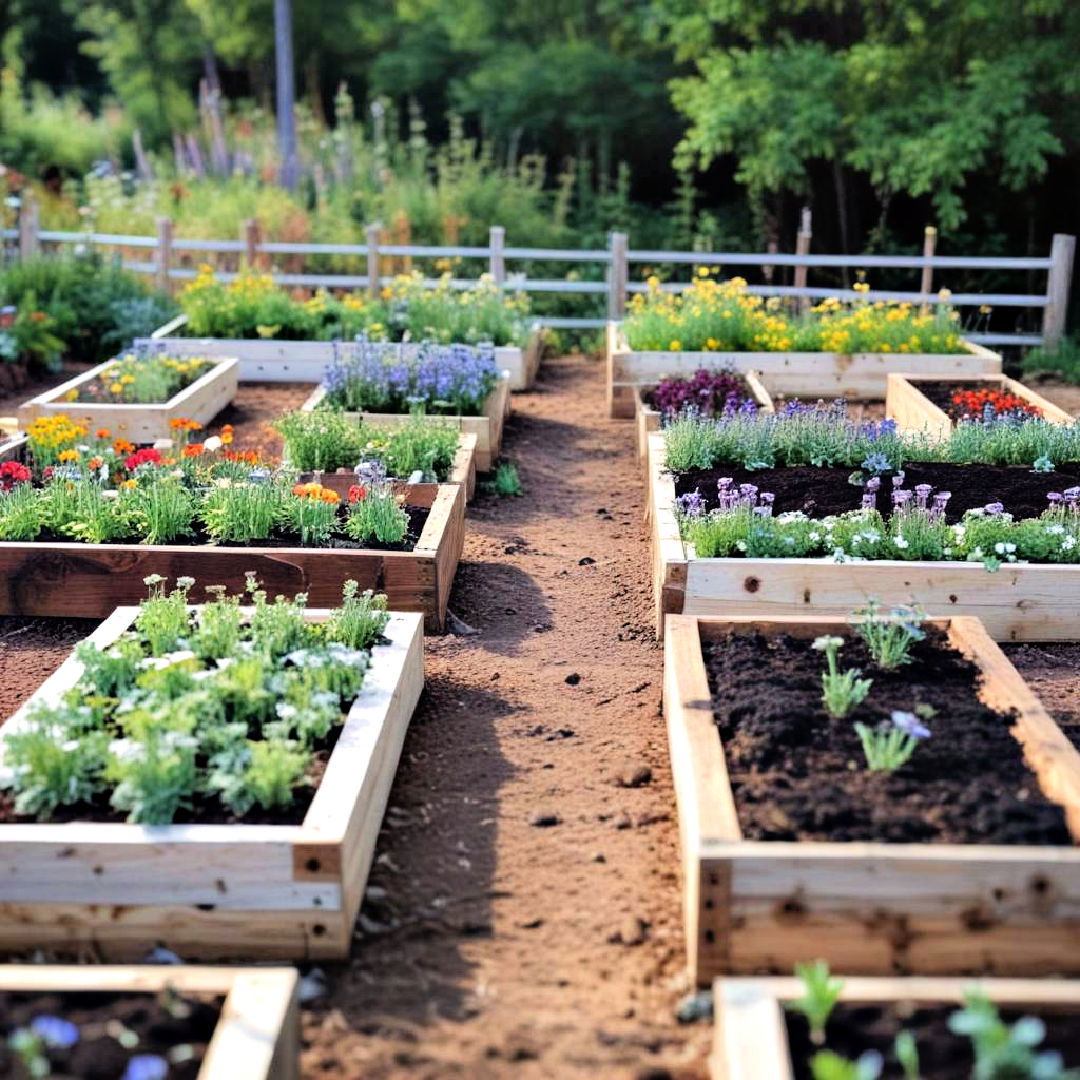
(360, 620)
(890, 637)
(841, 690)
(825, 1065)
(821, 991)
(506, 483)
(377, 516)
(889, 745)
(906, 1052)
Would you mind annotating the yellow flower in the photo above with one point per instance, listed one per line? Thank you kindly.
(944, 295)
(69, 455)
(115, 388)
(675, 346)
(653, 282)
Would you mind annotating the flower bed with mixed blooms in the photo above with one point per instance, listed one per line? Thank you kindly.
(707, 393)
(714, 316)
(88, 486)
(968, 402)
(452, 380)
(141, 380)
(212, 714)
(809, 482)
(252, 306)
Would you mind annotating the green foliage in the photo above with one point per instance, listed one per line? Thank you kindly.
(821, 991)
(507, 483)
(825, 1065)
(377, 516)
(841, 691)
(1062, 360)
(890, 636)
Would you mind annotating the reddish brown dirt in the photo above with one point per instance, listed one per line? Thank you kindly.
(493, 943)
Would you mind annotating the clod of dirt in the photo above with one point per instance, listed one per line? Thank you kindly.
(633, 774)
(599, 857)
(623, 821)
(587, 561)
(545, 821)
(631, 931)
(532, 924)
(573, 679)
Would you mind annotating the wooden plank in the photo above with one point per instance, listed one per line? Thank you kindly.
(914, 411)
(90, 580)
(213, 891)
(669, 558)
(487, 428)
(867, 907)
(750, 1034)
(201, 401)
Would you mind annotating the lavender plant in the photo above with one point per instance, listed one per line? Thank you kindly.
(890, 744)
(890, 637)
(841, 690)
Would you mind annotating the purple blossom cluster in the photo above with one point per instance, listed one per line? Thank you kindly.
(907, 500)
(383, 377)
(707, 393)
(1069, 499)
(730, 497)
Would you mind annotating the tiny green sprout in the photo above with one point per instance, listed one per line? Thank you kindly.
(820, 993)
(891, 743)
(825, 1065)
(841, 690)
(907, 1054)
(507, 483)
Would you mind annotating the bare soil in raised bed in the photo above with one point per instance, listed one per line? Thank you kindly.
(819, 492)
(799, 774)
(523, 916)
(854, 1029)
(98, 1055)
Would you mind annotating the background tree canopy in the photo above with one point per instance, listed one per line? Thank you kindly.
(882, 117)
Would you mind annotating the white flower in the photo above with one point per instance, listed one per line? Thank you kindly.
(163, 444)
(1068, 543)
(900, 542)
(740, 545)
(1055, 530)
(212, 444)
(814, 537)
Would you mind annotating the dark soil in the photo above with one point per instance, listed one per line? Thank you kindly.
(798, 774)
(854, 1029)
(98, 1055)
(825, 491)
(941, 394)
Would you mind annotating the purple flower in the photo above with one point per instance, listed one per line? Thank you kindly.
(691, 505)
(922, 493)
(994, 508)
(1054, 497)
(909, 724)
(54, 1031)
(898, 479)
(873, 484)
(146, 1067)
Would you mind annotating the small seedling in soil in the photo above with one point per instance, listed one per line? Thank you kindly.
(829, 1066)
(906, 1053)
(820, 993)
(841, 690)
(890, 637)
(507, 483)
(891, 743)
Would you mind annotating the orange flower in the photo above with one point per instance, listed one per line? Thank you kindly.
(329, 496)
(182, 423)
(194, 449)
(103, 433)
(122, 446)
(95, 463)
(316, 491)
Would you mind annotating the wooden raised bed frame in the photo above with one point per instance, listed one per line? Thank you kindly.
(866, 908)
(306, 361)
(650, 419)
(219, 891)
(257, 1035)
(201, 402)
(1019, 602)
(914, 411)
(813, 375)
(89, 580)
(750, 1034)
(487, 427)
(462, 470)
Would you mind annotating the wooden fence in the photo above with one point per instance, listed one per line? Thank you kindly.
(164, 251)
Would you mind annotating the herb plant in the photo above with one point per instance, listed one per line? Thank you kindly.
(841, 690)
(821, 991)
(890, 637)
(889, 745)
(506, 483)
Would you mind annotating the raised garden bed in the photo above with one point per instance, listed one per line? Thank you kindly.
(924, 403)
(650, 419)
(89, 580)
(758, 1036)
(209, 891)
(869, 906)
(306, 361)
(200, 402)
(794, 374)
(255, 1035)
(1018, 602)
(487, 427)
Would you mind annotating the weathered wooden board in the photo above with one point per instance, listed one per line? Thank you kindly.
(258, 1031)
(89, 580)
(218, 891)
(913, 411)
(650, 419)
(306, 361)
(750, 1033)
(866, 908)
(201, 402)
(794, 374)
(462, 470)
(1018, 602)
(487, 427)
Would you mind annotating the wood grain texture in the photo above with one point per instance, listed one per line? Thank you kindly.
(214, 891)
(866, 908)
(914, 411)
(750, 1034)
(669, 558)
(201, 401)
(90, 580)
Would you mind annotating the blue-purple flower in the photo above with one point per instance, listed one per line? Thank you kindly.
(146, 1067)
(55, 1031)
(909, 724)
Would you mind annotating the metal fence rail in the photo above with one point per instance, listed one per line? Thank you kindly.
(616, 259)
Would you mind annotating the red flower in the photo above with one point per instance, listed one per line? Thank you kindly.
(12, 473)
(146, 456)
(357, 492)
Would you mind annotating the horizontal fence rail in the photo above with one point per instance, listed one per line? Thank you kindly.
(616, 259)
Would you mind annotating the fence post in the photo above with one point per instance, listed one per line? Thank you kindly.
(252, 237)
(371, 239)
(28, 227)
(926, 282)
(163, 263)
(802, 247)
(497, 262)
(617, 275)
(1058, 281)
